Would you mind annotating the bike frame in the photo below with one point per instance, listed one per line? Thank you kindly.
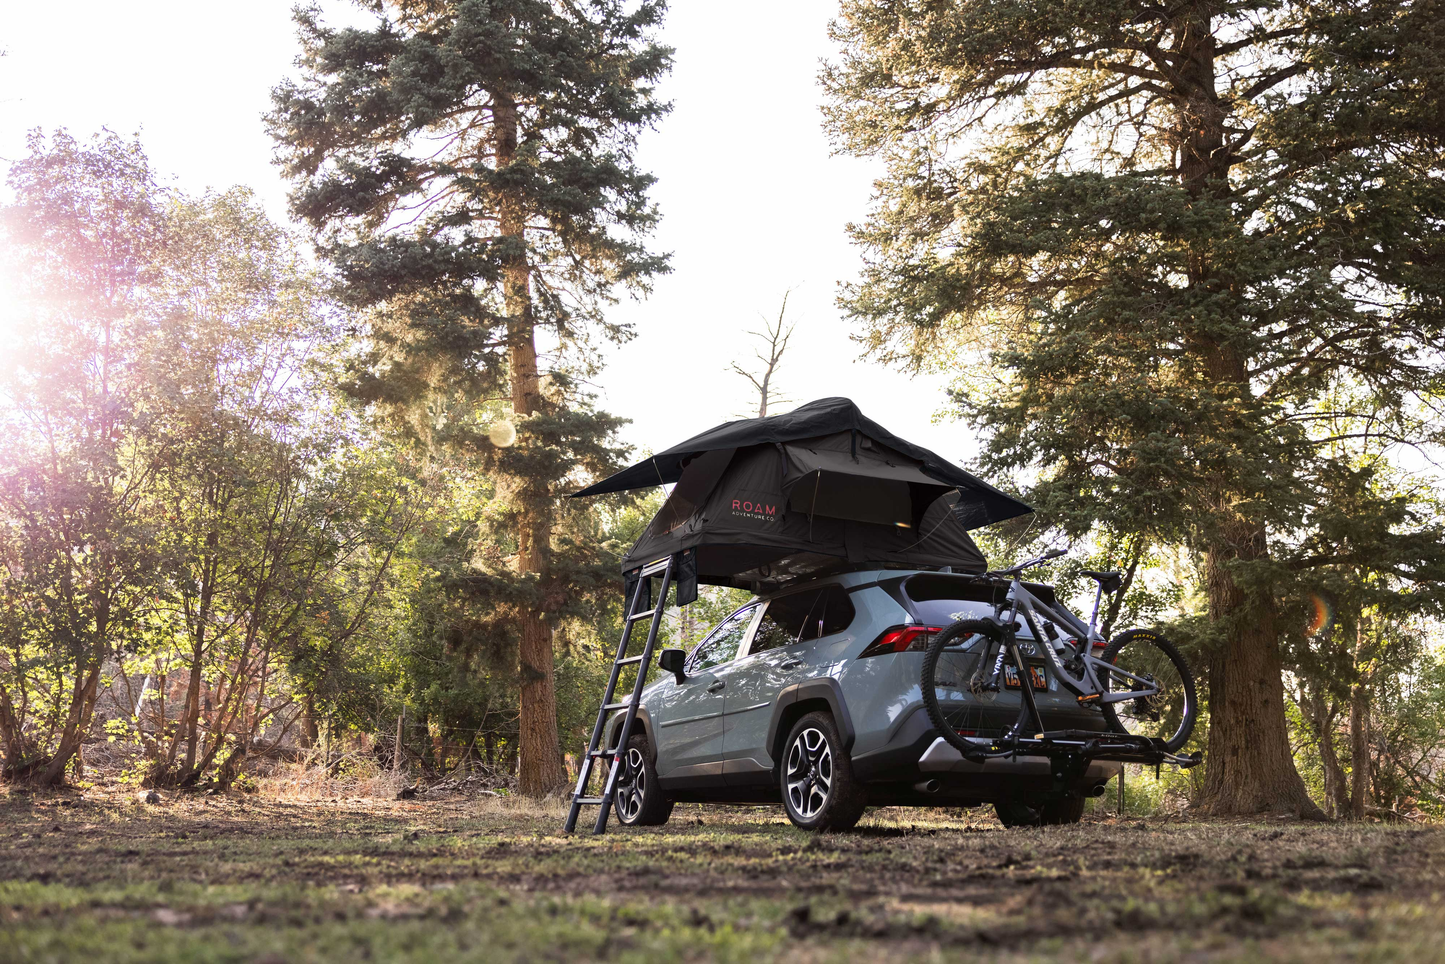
(1068, 751)
(1017, 602)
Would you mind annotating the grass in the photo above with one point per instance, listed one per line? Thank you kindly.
(242, 879)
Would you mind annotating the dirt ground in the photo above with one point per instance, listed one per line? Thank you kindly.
(104, 878)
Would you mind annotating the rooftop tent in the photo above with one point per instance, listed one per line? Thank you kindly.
(766, 500)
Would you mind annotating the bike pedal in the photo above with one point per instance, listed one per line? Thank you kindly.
(1090, 697)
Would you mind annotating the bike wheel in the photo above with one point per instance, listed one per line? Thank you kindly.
(1167, 715)
(956, 671)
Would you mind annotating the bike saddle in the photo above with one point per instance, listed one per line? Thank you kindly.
(1108, 581)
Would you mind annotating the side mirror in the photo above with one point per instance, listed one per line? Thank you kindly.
(671, 661)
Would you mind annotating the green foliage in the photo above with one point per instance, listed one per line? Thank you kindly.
(1189, 261)
(468, 168)
(409, 141)
(1409, 737)
(187, 514)
(80, 546)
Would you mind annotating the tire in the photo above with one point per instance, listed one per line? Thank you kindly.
(1050, 812)
(637, 799)
(819, 792)
(961, 629)
(1169, 716)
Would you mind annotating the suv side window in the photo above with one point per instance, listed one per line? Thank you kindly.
(722, 643)
(786, 620)
(834, 613)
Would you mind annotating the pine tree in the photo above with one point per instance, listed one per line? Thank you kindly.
(468, 168)
(1184, 235)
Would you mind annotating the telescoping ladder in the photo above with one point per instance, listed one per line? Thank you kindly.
(618, 752)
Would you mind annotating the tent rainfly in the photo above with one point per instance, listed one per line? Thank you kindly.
(759, 502)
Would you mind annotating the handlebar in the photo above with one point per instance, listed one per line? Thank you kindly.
(1020, 567)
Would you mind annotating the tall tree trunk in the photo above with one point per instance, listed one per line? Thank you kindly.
(396, 749)
(1322, 720)
(1359, 750)
(12, 742)
(1249, 767)
(191, 727)
(82, 700)
(542, 771)
(310, 728)
(190, 723)
(1360, 725)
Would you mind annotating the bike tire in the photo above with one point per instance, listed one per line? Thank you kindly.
(963, 627)
(1155, 646)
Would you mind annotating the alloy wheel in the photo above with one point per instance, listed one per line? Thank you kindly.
(631, 786)
(810, 773)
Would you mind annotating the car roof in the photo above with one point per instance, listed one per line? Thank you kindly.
(860, 577)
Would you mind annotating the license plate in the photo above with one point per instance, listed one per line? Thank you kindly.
(1036, 677)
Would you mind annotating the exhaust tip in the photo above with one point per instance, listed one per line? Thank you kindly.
(1097, 790)
(927, 786)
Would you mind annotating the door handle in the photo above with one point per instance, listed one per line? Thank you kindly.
(791, 663)
(715, 686)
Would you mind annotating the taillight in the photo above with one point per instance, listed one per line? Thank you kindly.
(901, 639)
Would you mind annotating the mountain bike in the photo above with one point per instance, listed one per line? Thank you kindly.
(1140, 681)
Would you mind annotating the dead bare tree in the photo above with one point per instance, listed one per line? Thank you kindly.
(774, 338)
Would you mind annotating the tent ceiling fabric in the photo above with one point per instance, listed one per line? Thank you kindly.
(893, 459)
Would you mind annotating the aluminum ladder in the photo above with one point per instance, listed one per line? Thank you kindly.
(618, 754)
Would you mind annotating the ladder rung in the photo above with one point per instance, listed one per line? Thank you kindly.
(635, 616)
(585, 800)
(603, 753)
(615, 706)
(657, 566)
(630, 659)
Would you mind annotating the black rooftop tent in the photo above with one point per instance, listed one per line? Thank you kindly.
(761, 501)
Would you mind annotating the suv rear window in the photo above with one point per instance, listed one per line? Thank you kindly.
(939, 598)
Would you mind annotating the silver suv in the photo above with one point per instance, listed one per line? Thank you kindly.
(813, 694)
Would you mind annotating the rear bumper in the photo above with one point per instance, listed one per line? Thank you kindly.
(941, 758)
(916, 755)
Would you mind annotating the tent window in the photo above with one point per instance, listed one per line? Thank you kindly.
(858, 497)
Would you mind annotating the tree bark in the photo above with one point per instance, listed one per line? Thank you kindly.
(310, 728)
(396, 750)
(1322, 719)
(1250, 767)
(12, 742)
(190, 723)
(82, 700)
(541, 769)
(1360, 726)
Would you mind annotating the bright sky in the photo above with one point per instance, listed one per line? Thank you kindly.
(752, 202)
